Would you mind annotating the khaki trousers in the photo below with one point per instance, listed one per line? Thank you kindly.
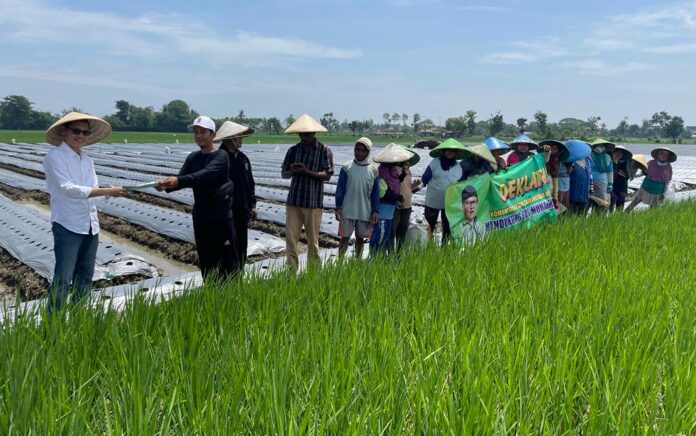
(295, 219)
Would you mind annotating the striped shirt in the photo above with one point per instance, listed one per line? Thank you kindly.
(307, 191)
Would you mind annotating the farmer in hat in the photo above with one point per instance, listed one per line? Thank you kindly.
(355, 210)
(408, 186)
(624, 171)
(73, 186)
(652, 190)
(498, 148)
(386, 193)
(522, 147)
(230, 135)
(558, 153)
(206, 171)
(479, 160)
(472, 230)
(603, 170)
(308, 164)
(580, 176)
(442, 171)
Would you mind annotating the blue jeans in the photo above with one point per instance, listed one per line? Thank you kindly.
(75, 259)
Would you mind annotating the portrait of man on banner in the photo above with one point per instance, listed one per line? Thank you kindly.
(518, 197)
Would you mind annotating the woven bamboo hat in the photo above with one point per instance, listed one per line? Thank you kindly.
(393, 153)
(415, 158)
(626, 152)
(640, 161)
(672, 155)
(523, 139)
(482, 151)
(608, 145)
(100, 128)
(563, 152)
(305, 124)
(230, 129)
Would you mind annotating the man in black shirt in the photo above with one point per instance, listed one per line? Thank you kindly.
(244, 197)
(206, 171)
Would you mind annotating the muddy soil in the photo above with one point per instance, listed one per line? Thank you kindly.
(25, 171)
(17, 276)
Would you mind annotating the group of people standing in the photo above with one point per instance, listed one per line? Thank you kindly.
(373, 195)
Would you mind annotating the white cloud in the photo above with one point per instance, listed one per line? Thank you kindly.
(598, 67)
(528, 51)
(32, 21)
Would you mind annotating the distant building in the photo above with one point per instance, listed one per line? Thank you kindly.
(691, 131)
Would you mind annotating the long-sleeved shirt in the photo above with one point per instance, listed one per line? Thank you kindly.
(581, 181)
(244, 194)
(206, 174)
(70, 178)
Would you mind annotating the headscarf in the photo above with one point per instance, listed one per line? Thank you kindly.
(389, 173)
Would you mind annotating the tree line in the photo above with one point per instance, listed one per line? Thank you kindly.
(18, 113)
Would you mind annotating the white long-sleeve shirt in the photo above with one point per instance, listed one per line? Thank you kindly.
(70, 178)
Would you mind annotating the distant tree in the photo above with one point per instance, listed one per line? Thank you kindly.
(416, 123)
(622, 128)
(456, 126)
(470, 121)
(42, 120)
(395, 118)
(521, 124)
(355, 126)
(329, 122)
(272, 125)
(142, 119)
(495, 124)
(70, 109)
(16, 113)
(593, 124)
(404, 119)
(671, 126)
(123, 111)
(289, 120)
(542, 123)
(175, 116)
(240, 116)
(387, 119)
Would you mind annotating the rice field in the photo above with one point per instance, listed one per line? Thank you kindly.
(581, 327)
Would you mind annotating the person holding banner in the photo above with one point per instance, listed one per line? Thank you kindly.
(441, 172)
(522, 147)
(472, 229)
(402, 214)
(498, 148)
(557, 154)
(580, 186)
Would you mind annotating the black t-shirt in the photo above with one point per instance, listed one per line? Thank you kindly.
(208, 176)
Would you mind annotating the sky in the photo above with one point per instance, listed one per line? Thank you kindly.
(357, 59)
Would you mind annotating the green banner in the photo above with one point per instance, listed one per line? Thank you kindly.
(518, 197)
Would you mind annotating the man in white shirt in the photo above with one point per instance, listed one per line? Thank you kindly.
(73, 186)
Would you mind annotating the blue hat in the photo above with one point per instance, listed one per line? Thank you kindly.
(523, 139)
(577, 150)
(494, 143)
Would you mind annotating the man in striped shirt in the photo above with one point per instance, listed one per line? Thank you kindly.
(308, 164)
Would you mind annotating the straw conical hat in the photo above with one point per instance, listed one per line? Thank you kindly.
(450, 144)
(672, 155)
(230, 129)
(640, 161)
(415, 158)
(607, 144)
(626, 152)
(482, 151)
(393, 153)
(305, 124)
(100, 128)
(563, 152)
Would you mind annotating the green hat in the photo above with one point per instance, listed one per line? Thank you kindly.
(415, 158)
(607, 144)
(450, 144)
(482, 151)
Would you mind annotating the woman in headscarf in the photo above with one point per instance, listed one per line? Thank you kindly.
(522, 147)
(442, 171)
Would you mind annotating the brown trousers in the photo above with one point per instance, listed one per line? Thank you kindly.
(295, 219)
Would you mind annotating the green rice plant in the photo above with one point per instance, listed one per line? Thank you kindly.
(583, 326)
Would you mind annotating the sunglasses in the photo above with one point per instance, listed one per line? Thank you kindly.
(80, 131)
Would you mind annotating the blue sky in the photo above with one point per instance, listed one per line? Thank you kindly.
(357, 59)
